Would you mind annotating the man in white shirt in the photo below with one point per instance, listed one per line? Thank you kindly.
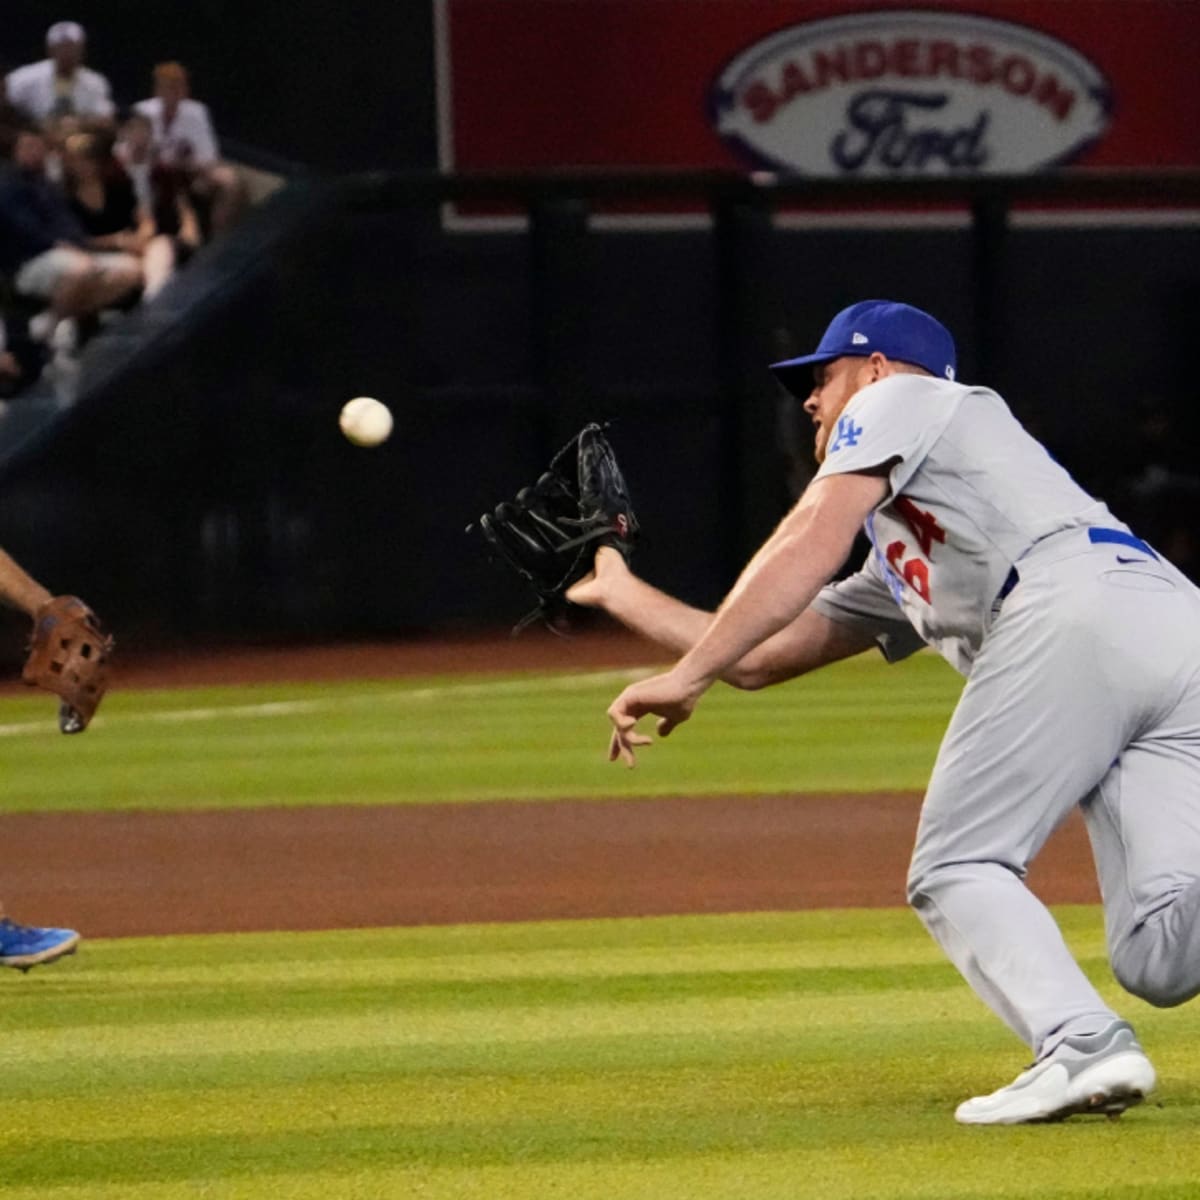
(61, 85)
(182, 128)
(184, 145)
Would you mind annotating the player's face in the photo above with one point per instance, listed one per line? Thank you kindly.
(833, 385)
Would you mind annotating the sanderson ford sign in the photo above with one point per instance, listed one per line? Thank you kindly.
(909, 93)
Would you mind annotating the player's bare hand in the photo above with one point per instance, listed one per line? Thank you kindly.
(665, 696)
(621, 745)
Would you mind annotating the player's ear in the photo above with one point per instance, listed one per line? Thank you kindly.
(881, 366)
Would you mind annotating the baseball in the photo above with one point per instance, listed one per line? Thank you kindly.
(365, 421)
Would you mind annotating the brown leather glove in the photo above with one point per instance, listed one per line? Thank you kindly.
(68, 655)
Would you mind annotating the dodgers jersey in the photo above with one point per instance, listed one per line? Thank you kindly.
(969, 492)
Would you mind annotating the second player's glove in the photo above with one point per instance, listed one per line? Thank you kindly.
(69, 653)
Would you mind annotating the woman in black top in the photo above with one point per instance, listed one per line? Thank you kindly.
(102, 196)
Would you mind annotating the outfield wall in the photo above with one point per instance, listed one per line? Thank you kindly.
(200, 484)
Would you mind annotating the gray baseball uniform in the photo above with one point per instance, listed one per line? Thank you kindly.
(1081, 649)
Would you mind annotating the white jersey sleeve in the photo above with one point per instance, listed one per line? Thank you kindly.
(891, 421)
(865, 602)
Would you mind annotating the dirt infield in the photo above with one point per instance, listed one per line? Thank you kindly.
(132, 873)
(116, 874)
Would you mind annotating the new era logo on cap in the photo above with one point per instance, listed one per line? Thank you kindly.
(899, 331)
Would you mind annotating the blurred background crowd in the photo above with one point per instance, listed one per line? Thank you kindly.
(101, 202)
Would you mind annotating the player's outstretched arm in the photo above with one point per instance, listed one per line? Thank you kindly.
(18, 589)
(812, 640)
(776, 587)
(653, 614)
(68, 649)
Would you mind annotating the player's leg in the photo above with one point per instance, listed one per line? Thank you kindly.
(1033, 732)
(1144, 823)
(989, 810)
(1068, 679)
(1146, 838)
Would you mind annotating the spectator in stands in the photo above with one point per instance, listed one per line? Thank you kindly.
(185, 148)
(101, 195)
(47, 254)
(11, 118)
(134, 150)
(60, 84)
(104, 201)
(57, 130)
(157, 190)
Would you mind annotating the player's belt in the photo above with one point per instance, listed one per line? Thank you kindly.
(1098, 536)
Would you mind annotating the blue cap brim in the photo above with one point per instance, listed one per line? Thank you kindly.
(792, 373)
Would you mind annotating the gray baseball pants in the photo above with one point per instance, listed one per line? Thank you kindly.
(1086, 691)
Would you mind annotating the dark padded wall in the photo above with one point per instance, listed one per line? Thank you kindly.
(209, 490)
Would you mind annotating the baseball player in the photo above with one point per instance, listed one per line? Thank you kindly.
(1081, 651)
(68, 654)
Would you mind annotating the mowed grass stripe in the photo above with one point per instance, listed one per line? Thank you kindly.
(140, 1004)
(563, 964)
(567, 1067)
(859, 726)
(722, 1176)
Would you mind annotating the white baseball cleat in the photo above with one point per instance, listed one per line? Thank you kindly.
(1103, 1072)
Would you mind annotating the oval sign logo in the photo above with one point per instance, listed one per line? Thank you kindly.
(909, 93)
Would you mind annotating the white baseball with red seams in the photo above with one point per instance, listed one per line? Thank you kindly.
(366, 421)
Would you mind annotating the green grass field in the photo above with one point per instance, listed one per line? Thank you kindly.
(751, 1056)
(860, 727)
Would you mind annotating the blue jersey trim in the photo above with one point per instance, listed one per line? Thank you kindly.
(894, 583)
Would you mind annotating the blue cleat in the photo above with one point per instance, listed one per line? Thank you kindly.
(25, 946)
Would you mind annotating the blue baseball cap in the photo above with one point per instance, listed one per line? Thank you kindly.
(898, 330)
